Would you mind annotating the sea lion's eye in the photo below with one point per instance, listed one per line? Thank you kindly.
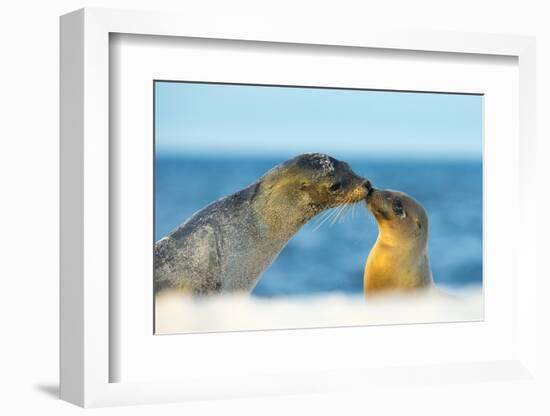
(397, 207)
(335, 186)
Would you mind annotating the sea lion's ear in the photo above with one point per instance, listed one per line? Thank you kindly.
(418, 222)
(304, 186)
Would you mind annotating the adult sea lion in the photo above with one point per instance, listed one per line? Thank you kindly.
(227, 245)
(399, 259)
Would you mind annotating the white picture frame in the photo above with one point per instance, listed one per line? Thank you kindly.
(86, 356)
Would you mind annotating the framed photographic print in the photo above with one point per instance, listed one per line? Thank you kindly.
(245, 212)
(262, 200)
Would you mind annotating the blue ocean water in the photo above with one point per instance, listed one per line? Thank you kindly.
(331, 257)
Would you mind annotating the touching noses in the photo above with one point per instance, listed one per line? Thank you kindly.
(367, 185)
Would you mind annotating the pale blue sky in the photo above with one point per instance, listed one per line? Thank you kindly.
(214, 120)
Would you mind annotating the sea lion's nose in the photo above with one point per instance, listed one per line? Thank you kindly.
(367, 185)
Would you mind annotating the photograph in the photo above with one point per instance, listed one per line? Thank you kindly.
(293, 207)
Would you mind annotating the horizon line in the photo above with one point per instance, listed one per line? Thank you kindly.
(374, 155)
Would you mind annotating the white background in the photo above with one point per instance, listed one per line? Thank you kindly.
(29, 209)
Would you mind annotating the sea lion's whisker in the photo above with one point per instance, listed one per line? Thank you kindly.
(331, 213)
(342, 208)
(321, 217)
(327, 218)
(343, 213)
(349, 209)
(336, 210)
(326, 213)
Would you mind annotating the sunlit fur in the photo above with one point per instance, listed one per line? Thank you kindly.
(399, 259)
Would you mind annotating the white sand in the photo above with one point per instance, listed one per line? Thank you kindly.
(176, 313)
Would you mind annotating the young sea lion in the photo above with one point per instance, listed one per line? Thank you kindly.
(399, 259)
(228, 244)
